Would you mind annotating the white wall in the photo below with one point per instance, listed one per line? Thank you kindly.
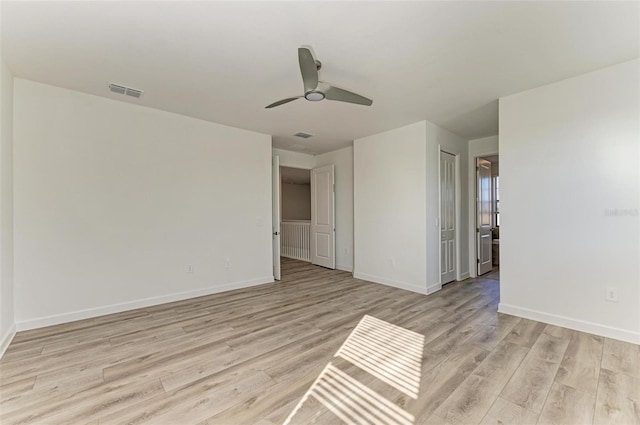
(441, 139)
(7, 320)
(295, 159)
(397, 206)
(389, 176)
(477, 147)
(113, 201)
(296, 201)
(570, 195)
(483, 147)
(343, 162)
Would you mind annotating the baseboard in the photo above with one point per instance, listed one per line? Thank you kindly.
(464, 276)
(567, 322)
(344, 268)
(6, 339)
(434, 288)
(389, 282)
(57, 319)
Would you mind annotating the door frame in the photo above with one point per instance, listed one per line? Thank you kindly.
(276, 216)
(458, 204)
(280, 165)
(473, 213)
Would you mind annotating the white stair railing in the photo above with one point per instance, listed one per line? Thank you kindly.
(294, 240)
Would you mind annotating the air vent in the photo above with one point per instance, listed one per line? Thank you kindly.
(116, 88)
(303, 135)
(133, 92)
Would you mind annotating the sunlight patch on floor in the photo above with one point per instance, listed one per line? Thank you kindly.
(391, 354)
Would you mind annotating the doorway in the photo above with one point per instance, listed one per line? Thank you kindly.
(303, 215)
(295, 210)
(487, 214)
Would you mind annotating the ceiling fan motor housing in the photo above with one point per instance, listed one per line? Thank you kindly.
(314, 95)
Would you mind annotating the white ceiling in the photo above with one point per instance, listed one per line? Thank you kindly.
(447, 62)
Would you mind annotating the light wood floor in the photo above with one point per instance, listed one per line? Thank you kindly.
(248, 356)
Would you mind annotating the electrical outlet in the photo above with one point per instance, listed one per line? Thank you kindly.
(227, 263)
(611, 294)
(190, 269)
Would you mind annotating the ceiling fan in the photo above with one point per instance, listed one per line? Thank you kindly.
(315, 90)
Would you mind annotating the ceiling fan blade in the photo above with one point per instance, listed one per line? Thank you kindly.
(282, 102)
(334, 93)
(308, 69)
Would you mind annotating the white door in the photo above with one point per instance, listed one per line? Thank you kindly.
(484, 219)
(275, 205)
(323, 232)
(447, 217)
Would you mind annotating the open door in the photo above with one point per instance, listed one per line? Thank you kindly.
(275, 205)
(323, 232)
(447, 217)
(484, 219)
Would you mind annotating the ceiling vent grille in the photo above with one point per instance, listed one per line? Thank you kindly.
(303, 135)
(128, 91)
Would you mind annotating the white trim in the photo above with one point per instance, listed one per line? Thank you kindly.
(57, 319)
(464, 276)
(344, 268)
(6, 339)
(439, 223)
(568, 322)
(389, 282)
(458, 215)
(473, 205)
(458, 218)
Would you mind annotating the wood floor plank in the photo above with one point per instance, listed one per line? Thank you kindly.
(9, 391)
(566, 405)
(580, 367)
(504, 412)
(618, 399)
(500, 365)
(525, 333)
(472, 399)
(530, 384)
(549, 348)
(439, 381)
(275, 402)
(469, 402)
(489, 336)
(621, 357)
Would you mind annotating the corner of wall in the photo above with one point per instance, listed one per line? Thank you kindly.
(6, 339)
(7, 310)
